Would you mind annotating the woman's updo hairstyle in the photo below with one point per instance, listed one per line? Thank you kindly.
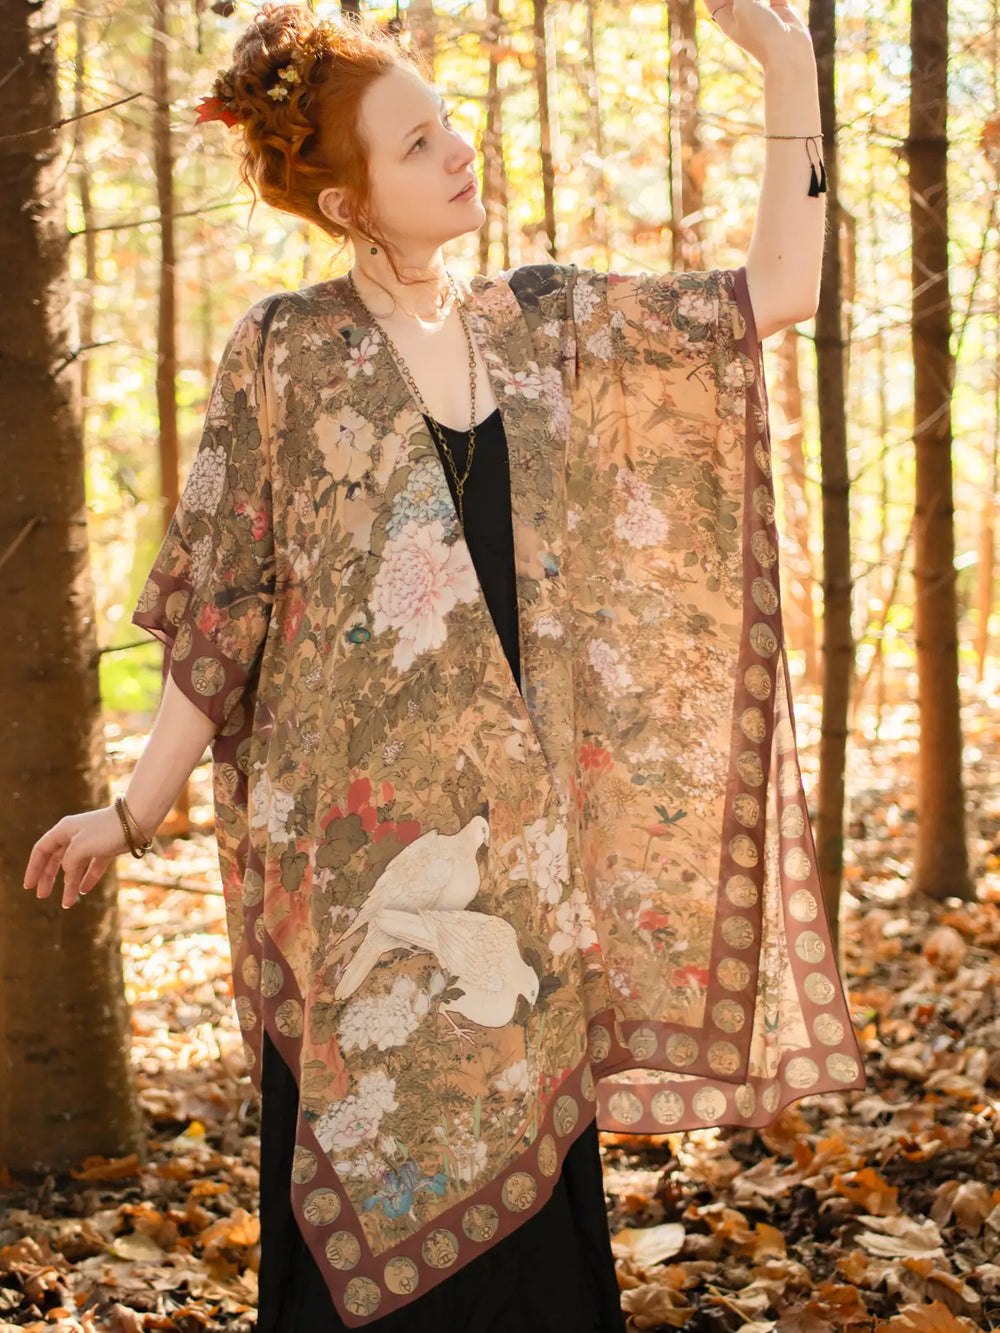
(295, 88)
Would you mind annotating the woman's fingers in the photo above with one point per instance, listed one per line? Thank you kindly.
(83, 846)
(45, 859)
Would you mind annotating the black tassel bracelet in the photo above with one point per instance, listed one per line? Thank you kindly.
(817, 184)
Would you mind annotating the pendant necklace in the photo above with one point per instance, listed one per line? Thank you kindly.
(411, 383)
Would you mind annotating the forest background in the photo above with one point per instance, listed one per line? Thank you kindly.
(616, 136)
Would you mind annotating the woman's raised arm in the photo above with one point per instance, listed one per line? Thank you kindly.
(785, 257)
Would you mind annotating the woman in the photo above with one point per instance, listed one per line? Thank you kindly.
(507, 800)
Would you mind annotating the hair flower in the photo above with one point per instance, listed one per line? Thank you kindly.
(290, 74)
(213, 108)
(278, 91)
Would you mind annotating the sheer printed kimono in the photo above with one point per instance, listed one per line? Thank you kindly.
(472, 921)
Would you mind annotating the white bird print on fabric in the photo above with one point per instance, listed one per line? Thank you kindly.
(436, 870)
(480, 950)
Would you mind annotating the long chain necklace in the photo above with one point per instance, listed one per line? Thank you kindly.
(405, 370)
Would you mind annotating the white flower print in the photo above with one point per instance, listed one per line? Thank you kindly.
(549, 626)
(642, 524)
(357, 1117)
(271, 808)
(514, 1078)
(599, 344)
(206, 480)
(346, 439)
(604, 659)
(383, 1020)
(525, 382)
(363, 356)
(418, 582)
(575, 920)
(554, 395)
(549, 860)
(202, 553)
(585, 302)
(697, 307)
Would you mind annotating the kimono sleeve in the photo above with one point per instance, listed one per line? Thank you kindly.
(209, 593)
(666, 319)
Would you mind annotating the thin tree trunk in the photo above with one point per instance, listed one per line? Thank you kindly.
(941, 868)
(838, 641)
(166, 334)
(599, 175)
(986, 574)
(86, 305)
(795, 494)
(422, 23)
(685, 157)
(492, 143)
(65, 1084)
(545, 121)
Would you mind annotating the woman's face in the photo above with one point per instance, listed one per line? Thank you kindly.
(417, 165)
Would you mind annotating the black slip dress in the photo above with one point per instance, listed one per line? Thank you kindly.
(555, 1273)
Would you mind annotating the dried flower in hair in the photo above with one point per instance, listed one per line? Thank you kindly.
(278, 91)
(290, 74)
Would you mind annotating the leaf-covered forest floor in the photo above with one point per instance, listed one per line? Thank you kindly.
(871, 1212)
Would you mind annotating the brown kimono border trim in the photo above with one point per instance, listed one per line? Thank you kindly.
(364, 1285)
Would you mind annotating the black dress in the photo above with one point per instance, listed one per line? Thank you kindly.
(555, 1273)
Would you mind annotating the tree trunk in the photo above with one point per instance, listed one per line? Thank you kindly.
(600, 223)
(492, 142)
(86, 306)
(65, 1084)
(838, 641)
(686, 159)
(942, 867)
(797, 545)
(545, 121)
(422, 23)
(166, 335)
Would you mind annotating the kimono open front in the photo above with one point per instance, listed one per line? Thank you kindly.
(469, 920)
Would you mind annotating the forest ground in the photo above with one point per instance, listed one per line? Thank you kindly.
(873, 1211)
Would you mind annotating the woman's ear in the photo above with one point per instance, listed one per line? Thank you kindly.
(331, 204)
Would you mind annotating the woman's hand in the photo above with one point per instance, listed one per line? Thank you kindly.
(84, 845)
(772, 33)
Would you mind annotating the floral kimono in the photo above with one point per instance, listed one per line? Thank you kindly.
(473, 913)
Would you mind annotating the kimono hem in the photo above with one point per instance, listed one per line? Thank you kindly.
(473, 916)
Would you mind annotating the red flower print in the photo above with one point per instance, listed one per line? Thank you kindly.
(685, 978)
(650, 919)
(261, 523)
(209, 619)
(294, 619)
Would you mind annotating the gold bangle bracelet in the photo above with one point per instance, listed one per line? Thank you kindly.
(128, 822)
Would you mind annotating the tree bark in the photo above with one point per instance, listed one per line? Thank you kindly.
(65, 1084)
(492, 141)
(600, 216)
(86, 307)
(540, 8)
(686, 159)
(798, 558)
(422, 22)
(166, 333)
(941, 868)
(838, 640)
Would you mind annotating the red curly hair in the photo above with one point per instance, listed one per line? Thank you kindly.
(300, 135)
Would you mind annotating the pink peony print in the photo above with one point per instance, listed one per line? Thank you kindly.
(418, 582)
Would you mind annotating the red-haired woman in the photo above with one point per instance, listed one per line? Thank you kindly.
(472, 590)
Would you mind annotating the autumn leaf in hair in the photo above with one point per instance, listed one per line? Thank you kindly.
(213, 108)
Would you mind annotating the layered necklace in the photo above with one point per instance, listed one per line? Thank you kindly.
(405, 371)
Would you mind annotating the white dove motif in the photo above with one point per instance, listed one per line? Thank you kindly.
(436, 870)
(480, 950)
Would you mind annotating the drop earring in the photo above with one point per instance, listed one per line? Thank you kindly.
(373, 248)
